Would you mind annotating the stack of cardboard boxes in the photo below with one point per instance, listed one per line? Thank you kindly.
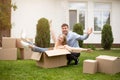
(8, 50)
(105, 64)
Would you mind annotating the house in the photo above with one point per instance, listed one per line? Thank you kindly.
(91, 13)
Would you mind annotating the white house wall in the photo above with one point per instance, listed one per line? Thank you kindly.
(30, 11)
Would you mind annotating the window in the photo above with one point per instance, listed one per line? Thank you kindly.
(101, 15)
(77, 12)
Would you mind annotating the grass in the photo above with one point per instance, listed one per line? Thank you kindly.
(27, 70)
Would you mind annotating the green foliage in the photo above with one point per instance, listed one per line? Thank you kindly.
(107, 37)
(78, 28)
(91, 46)
(14, 6)
(42, 38)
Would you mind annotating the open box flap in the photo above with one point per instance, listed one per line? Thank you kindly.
(108, 57)
(36, 56)
(57, 52)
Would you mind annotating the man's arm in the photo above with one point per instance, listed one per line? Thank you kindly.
(85, 36)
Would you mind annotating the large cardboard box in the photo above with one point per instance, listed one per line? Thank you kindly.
(8, 42)
(18, 43)
(8, 54)
(108, 64)
(51, 58)
(26, 53)
(90, 66)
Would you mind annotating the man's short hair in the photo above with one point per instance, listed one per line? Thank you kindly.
(64, 25)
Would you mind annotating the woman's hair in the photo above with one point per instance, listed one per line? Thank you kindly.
(64, 39)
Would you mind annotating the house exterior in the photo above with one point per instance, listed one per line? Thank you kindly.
(90, 13)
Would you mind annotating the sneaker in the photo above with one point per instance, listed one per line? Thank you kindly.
(76, 61)
(25, 44)
(23, 34)
(69, 61)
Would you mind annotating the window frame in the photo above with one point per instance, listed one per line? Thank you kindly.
(78, 12)
(102, 11)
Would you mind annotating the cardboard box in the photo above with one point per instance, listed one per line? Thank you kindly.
(90, 66)
(8, 54)
(51, 58)
(36, 56)
(18, 43)
(8, 42)
(108, 64)
(26, 53)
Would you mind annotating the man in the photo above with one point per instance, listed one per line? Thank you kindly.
(72, 40)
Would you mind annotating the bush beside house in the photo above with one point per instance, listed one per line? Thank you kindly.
(42, 38)
(78, 28)
(107, 37)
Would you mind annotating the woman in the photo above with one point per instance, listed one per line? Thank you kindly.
(60, 43)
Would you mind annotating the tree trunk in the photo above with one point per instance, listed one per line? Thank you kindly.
(6, 31)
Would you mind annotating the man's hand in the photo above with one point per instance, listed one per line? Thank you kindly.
(89, 31)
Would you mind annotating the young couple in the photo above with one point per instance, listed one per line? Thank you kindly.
(67, 40)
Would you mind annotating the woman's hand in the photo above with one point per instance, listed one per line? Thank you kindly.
(89, 50)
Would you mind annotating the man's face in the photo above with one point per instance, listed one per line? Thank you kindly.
(65, 30)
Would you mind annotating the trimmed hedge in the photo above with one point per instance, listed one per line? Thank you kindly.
(107, 37)
(78, 28)
(42, 38)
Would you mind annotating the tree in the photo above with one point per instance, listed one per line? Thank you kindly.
(42, 38)
(78, 28)
(5, 18)
(107, 37)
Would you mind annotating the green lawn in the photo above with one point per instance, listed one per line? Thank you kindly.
(27, 70)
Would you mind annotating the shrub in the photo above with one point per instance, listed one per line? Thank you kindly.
(107, 37)
(91, 46)
(78, 28)
(42, 38)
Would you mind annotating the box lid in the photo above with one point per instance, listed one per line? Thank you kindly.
(107, 57)
(36, 56)
(89, 60)
(57, 52)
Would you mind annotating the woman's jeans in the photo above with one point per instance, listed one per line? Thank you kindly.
(38, 49)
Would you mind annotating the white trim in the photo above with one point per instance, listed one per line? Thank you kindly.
(78, 11)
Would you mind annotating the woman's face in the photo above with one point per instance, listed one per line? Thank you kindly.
(60, 39)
